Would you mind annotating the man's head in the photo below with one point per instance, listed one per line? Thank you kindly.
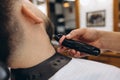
(21, 23)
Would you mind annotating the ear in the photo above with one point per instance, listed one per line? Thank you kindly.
(29, 14)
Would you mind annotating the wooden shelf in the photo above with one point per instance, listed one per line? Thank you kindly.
(108, 58)
(116, 15)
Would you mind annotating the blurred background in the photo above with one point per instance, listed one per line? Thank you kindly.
(71, 14)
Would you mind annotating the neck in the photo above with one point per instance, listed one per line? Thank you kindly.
(31, 54)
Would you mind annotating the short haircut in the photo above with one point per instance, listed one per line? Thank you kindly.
(7, 27)
(5, 17)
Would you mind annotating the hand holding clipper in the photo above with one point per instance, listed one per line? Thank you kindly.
(79, 46)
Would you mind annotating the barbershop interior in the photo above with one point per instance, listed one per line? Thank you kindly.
(68, 15)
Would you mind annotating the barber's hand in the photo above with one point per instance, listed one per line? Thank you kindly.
(89, 36)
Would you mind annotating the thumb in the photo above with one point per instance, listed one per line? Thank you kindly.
(76, 33)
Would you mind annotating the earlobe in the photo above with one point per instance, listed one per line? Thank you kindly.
(29, 14)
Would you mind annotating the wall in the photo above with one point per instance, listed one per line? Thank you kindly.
(96, 5)
(42, 7)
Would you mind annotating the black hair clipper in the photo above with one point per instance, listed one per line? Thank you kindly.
(78, 46)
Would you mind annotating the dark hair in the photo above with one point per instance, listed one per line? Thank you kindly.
(7, 29)
(49, 28)
(5, 16)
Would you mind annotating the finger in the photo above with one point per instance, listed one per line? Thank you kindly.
(80, 55)
(76, 33)
(77, 55)
(60, 49)
(63, 50)
(61, 39)
(72, 52)
(68, 52)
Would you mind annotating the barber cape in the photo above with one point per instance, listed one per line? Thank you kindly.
(59, 67)
(79, 69)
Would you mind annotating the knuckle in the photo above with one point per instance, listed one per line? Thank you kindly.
(73, 32)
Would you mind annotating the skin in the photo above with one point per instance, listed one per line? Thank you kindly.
(100, 39)
(35, 46)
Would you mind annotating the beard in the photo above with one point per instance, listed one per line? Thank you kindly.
(49, 28)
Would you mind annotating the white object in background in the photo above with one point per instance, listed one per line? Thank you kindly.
(85, 2)
(61, 29)
(42, 7)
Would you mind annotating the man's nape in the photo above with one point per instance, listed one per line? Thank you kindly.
(31, 44)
